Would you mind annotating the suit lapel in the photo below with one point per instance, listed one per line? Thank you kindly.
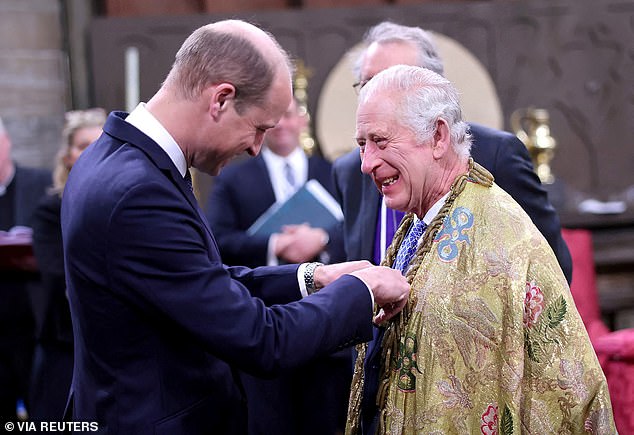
(117, 127)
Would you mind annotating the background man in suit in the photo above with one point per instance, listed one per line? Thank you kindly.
(248, 188)
(160, 324)
(368, 224)
(53, 361)
(20, 190)
(310, 399)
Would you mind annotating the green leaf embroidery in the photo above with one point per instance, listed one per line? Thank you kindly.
(532, 348)
(506, 422)
(556, 312)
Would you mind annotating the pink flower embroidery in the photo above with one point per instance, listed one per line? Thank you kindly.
(490, 421)
(533, 304)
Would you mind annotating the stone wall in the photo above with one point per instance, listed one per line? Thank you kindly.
(32, 78)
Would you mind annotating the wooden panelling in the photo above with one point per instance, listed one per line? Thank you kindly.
(220, 6)
(140, 8)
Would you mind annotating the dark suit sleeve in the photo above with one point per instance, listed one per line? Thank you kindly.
(160, 262)
(514, 173)
(224, 214)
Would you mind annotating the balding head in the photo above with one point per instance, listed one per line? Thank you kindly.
(231, 51)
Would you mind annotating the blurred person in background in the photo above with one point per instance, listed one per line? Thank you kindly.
(53, 358)
(20, 190)
(247, 188)
(311, 399)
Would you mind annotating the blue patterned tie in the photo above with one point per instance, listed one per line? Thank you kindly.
(408, 247)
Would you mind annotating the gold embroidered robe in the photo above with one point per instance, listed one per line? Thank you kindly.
(491, 341)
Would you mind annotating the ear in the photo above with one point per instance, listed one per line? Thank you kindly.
(442, 139)
(220, 97)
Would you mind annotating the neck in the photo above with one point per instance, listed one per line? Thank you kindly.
(175, 116)
(443, 186)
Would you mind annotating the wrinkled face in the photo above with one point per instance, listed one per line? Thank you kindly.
(234, 133)
(390, 153)
(382, 56)
(284, 137)
(82, 137)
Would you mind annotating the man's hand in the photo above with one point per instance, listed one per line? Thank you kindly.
(300, 243)
(390, 289)
(324, 275)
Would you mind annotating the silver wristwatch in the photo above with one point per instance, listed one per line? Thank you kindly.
(309, 277)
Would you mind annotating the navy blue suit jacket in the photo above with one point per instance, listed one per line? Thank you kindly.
(159, 322)
(240, 194)
(502, 153)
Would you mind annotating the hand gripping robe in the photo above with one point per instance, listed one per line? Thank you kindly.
(491, 341)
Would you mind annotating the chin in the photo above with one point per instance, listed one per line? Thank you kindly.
(394, 204)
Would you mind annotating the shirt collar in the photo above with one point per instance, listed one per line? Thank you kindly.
(433, 211)
(142, 119)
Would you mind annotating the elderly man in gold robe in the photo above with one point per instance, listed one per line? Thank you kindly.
(491, 341)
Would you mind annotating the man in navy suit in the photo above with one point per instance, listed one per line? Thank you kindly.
(160, 324)
(369, 224)
(502, 153)
(20, 191)
(310, 399)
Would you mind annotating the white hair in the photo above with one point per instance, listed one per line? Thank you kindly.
(420, 98)
(386, 32)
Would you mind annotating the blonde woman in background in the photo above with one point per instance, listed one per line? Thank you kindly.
(53, 360)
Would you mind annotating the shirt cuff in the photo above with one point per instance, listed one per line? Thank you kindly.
(302, 283)
(300, 280)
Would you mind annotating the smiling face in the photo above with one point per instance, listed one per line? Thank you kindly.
(400, 166)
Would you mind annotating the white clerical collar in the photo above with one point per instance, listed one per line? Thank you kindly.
(142, 119)
(433, 211)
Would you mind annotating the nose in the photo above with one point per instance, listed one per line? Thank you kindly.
(254, 149)
(369, 158)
